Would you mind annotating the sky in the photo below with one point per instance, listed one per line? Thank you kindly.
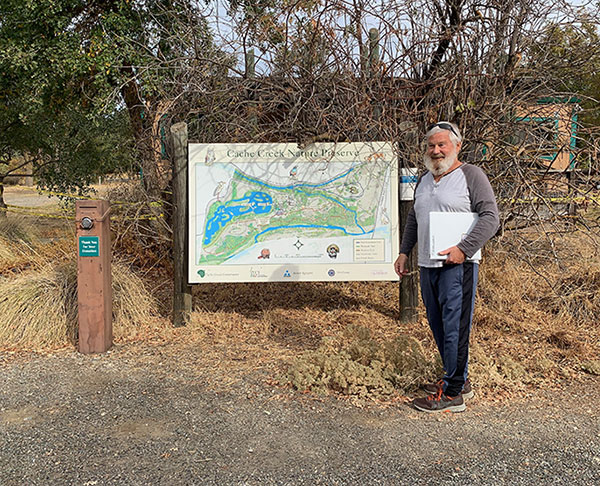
(223, 27)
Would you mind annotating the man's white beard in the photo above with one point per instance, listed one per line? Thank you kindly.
(440, 166)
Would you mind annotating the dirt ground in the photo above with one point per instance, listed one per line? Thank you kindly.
(172, 413)
(28, 197)
(185, 410)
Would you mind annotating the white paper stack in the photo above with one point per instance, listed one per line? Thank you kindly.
(449, 229)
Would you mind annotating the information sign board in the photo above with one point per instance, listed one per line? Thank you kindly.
(277, 212)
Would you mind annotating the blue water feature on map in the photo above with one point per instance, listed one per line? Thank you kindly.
(261, 203)
(298, 187)
(255, 202)
(293, 186)
(274, 228)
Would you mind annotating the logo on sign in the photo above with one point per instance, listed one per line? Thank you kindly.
(287, 274)
(331, 272)
(202, 273)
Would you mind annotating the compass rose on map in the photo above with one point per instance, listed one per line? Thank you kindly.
(298, 244)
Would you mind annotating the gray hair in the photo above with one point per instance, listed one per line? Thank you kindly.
(454, 132)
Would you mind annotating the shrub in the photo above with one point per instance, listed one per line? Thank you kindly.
(358, 365)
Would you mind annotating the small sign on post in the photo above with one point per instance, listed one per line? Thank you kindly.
(89, 246)
(408, 182)
(94, 289)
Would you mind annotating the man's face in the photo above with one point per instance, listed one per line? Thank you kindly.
(441, 153)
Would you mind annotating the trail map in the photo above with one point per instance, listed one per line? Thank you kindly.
(275, 212)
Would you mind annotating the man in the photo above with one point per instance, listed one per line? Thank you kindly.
(448, 287)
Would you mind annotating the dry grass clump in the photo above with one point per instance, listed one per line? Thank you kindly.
(17, 229)
(576, 293)
(39, 308)
(135, 310)
(28, 242)
(17, 239)
(34, 309)
(536, 322)
(356, 364)
(7, 255)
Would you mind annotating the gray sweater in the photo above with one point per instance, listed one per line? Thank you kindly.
(466, 189)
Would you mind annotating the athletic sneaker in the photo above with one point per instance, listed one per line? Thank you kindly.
(440, 402)
(432, 389)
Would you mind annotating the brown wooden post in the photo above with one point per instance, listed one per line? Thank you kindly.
(94, 283)
(372, 66)
(374, 51)
(182, 292)
(409, 286)
(3, 208)
(251, 74)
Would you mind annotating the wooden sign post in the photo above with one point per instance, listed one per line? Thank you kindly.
(94, 290)
(409, 285)
(182, 292)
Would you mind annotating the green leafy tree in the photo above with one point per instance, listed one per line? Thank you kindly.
(570, 54)
(46, 111)
(72, 68)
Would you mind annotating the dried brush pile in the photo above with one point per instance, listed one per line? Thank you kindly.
(536, 320)
(140, 224)
(355, 364)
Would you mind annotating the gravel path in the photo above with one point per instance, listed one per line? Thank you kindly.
(27, 197)
(114, 419)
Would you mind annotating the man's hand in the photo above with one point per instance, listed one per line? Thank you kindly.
(455, 255)
(400, 265)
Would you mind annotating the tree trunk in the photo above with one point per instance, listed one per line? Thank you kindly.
(2, 203)
(141, 122)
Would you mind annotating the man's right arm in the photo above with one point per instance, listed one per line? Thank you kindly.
(409, 239)
(409, 236)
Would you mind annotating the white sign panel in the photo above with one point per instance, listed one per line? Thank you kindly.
(408, 183)
(275, 212)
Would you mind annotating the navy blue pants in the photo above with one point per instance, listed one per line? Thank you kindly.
(449, 296)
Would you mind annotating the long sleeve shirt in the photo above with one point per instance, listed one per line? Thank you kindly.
(465, 189)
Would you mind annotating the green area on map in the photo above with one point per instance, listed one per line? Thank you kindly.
(256, 210)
